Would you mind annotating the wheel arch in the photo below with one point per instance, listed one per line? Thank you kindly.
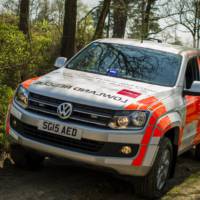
(169, 126)
(173, 135)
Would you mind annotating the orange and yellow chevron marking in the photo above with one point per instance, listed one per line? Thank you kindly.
(158, 110)
(26, 84)
(162, 127)
(192, 114)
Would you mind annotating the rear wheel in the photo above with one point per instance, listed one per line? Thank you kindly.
(152, 186)
(24, 158)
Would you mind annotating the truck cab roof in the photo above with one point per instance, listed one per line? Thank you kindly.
(176, 49)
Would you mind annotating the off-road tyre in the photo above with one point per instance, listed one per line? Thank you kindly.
(147, 186)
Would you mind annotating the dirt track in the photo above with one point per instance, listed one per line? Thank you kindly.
(68, 181)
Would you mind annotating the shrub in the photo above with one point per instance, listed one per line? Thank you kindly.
(13, 54)
(44, 47)
(21, 58)
(6, 95)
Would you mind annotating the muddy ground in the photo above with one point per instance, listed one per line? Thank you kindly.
(64, 180)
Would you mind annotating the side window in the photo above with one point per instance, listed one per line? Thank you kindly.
(192, 73)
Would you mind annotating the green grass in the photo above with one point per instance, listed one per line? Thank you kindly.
(189, 189)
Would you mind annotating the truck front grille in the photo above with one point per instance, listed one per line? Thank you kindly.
(81, 113)
(91, 147)
(33, 133)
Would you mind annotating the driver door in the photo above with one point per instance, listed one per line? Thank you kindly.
(191, 132)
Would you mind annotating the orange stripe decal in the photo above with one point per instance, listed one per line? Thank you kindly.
(8, 120)
(132, 107)
(147, 136)
(137, 162)
(26, 84)
(158, 109)
(163, 125)
(149, 100)
(192, 114)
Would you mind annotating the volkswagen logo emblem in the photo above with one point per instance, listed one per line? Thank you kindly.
(64, 110)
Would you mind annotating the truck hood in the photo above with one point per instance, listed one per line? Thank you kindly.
(95, 90)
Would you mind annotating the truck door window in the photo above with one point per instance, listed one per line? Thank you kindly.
(192, 73)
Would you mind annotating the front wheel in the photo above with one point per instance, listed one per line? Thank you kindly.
(152, 186)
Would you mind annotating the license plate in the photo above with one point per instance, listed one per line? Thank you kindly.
(60, 129)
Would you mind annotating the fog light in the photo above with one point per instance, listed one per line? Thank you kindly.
(126, 150)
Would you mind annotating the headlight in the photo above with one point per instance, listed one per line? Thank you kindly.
(129, 120)
(21, 96)
(122, 121)
(139, 119)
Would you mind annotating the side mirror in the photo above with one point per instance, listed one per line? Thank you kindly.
(194, 90)
(60, 62)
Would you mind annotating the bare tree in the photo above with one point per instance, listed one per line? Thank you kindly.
(44, 10)
(11, 6)
(59, 4)
(146, 18)
(189, 17)
(24, 17)
(69, 29)
(102, 18)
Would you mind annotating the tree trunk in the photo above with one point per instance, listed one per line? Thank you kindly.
(108, 26)
(147, 13)
(143, 4)
(102, 18)
(194, 41)
(198, 24)
(69, 29)
(120, 18)
(46, 10)
(24, 17)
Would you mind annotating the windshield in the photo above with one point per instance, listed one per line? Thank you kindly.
(128, 62)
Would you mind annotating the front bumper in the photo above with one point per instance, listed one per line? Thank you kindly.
(121, 165)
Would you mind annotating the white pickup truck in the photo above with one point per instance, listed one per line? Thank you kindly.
(122, 105)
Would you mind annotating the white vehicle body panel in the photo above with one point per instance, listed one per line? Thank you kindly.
(167, 106)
